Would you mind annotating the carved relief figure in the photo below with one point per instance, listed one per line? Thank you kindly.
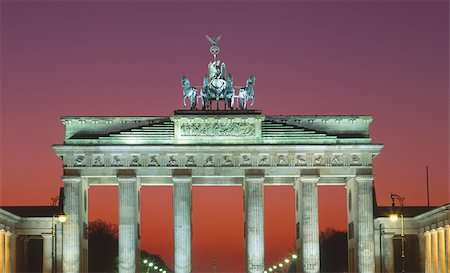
(337, 160)
(246, 160)
(98, 161)
(172, 161)
(209, 161)
(282, 160)
(301, 160)
(116, 161)
(190, 161)
(153, 161)
(135, 161)
(264, 161)
(227, 161)
(80, 161)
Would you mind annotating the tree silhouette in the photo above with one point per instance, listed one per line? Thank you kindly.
(103, 246)
(333, 251)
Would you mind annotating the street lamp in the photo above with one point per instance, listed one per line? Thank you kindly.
(394, 217)
(62, 218)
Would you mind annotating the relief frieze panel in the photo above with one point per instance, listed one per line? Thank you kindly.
(222, 129)
(218, 160)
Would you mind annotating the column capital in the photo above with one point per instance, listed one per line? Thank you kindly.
(2, 231)
(388, 235)
(309, 178)
(46, 235)
(427, 233)
(71, 179)
(364, 178)
(440, 229)
(447, 227)
(433, 232)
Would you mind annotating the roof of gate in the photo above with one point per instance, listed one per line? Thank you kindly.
(217, 127)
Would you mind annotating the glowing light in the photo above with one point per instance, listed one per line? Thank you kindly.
(286, 261)
(155, 267)
(393, 217)
(270, 269)
(280, 265)
(274, 267)
(145, 261)
(150, 264)
(294, 256)
(62, 218)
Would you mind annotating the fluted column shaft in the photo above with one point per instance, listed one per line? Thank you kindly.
(447, 247)
(13, 252)
(182, 232)
(441, 249)
(2, 250)
(254, 223)
(8, 252)
(47, 261)
(388, 252)
(428, 262)
(422, 251)
(308, 221)
(434, 251)
(366, 245)
(72, 227)
(128, 224)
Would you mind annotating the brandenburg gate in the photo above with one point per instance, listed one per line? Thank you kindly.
(219, 147)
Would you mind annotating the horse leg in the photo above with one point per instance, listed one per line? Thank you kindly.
(184, 101)
(253, 100)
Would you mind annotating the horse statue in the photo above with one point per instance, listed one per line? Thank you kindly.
(229, 92)
(247, 93)
(189, 92)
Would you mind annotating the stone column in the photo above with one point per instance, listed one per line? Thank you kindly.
(365, 243)
(254, 223)
(421, 238)
(441, 249)
(428, 263)
(447, 247)
(58, 247)
(8, 252)
(72, 227)
(308, 224)
(388, 252)
(26, 244)
(128, 224)
(182, 220)
(434, 251)
(47, 259)
(2, 250)
(13, 252)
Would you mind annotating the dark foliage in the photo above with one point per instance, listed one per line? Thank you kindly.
(152, 258)
(103, 246)
(333, 251)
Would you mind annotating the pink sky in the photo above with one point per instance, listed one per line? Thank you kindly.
(389, 59)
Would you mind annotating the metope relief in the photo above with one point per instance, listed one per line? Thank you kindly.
(135, 161)
(98, 161)
(172, 161)
(190, 161)
(264, 160)
(209, 161)
(80, 161)
(153, 161)
(116, 161)
(227, 161)
(246, 160)
(282, 160)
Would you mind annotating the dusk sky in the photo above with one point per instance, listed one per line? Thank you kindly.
(389, 59)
